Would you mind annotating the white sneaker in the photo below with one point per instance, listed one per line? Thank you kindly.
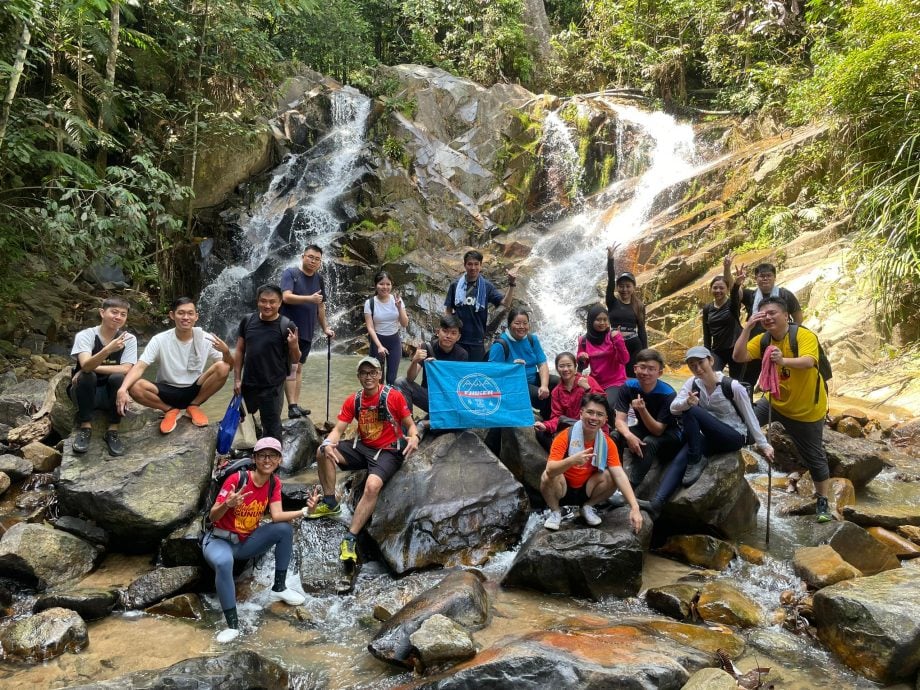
(590, 515)
(227, 635)
(554, 520)
(288, 596)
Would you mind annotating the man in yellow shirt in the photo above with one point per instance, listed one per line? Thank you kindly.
(802, 401)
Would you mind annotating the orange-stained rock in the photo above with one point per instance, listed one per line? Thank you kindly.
(720, 602)
(911, 532)
(842, 494)
(751, 555)
(903, 548)
(821, 566)
(700, 549)
(705, 639)
(850, 427)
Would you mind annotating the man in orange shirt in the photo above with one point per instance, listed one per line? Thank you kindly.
(580, 471)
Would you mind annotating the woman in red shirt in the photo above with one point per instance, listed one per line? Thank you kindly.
(565, 399)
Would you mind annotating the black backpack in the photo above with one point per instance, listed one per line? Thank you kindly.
(241, 467)
(824, 366)
(728, 392)
(383, 411)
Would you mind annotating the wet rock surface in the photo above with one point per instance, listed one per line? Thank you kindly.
(45, 635)
(900, 546)
(676, 601)
(871, 624)
(711, 679)
(181, 546)
(584, 561)
(720, 602)
(20, 400)
(459, 596)
(439, 640)
(42, 556)
(452, 503)
(141, 497)
(181, 606)
(83, 529)
(889, 517)
(320, 574)
(821, 566)
(15, 467)
(523, 456)
(159, 584)
(857, 547)
(42, 457)
(92, 603)
(701, 550)
(299, 441)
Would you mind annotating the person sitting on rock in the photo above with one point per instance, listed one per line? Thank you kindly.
(238, 535)
(184, 379)
(583, 468)
(802, 401)
(469, 297)
(443, 347)
(565, 399)
(655, 435)
(104, 354)
(712, 423)
(382, 415)
(604, 351)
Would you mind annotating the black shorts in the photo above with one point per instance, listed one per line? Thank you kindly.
(305, 346)
(177, 396)
(575, 497)
(384, 462)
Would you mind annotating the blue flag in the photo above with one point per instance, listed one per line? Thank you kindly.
(473, 395)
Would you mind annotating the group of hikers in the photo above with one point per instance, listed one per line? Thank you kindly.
(611, 374)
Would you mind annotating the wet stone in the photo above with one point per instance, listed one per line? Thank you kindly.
(676, 601)
(15, 467)
(911, 532)
(440, 640)
(889, 517)
(90, 602)
(4, 482)
(21, 399)
(857, 547)
(821, 566)
(181, 606)
(43, 458)
(181, 547)
(43, 556)
(901, 547)
(300, 441)
(711, 679)
(83, 529)
(45, 635)
(720, 602)
(700, 550)
(751, 554)
(159, 584)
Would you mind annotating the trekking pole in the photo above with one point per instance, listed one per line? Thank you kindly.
(769, 468)
(328, 374)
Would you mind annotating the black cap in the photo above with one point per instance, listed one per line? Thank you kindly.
(626, 276)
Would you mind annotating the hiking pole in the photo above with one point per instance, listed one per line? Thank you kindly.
(769, 468)
(328, 374)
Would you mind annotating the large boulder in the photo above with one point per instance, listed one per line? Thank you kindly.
(857, 547)
(300, 441)
(181, 546)
(821, 566)
(701, 550)
(243, 669)
(45, 635)
(158, 584)
(141, 497)
(721, 500)
(871, 623)
(91, 603)
(440, 640)
(19, 401)
(15, 467)
(320, 568)
(888, 516)
(856, 459)
(584, 561)
(523, 455)
(721, 602)
(460, 597)
(452, 503)
(43, 556)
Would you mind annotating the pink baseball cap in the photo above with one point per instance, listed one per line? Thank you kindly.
(267, 442)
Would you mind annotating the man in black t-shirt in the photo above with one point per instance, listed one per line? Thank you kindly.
(266, 350)
(443, 347)
(655, 436)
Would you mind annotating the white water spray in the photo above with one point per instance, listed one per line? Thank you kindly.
(564, 172)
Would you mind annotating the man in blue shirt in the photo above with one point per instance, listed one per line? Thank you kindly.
(469, 297)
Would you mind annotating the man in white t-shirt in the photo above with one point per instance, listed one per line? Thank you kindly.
(184, 379)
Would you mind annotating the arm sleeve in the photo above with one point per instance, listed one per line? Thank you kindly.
(83, 342)
(743, 405)
(287, 281)
(664, 412)
(707, 334)
(808, 344)
(322, 288)
(367, 306)
(347, 413)
(152, 351)
(619, 346)
(624, 397)
(610, 294)
(241, 331)
(397, 404)
(129, 355)
(643, 335)
(493, 295)
(595, 386)
(613, 456)
(560, 445)
(538, 351)
(555, 410)
(734, 301)
(792, 301)
(679, 404)
(449, 297)
(747, 299)
(496, 353)
(276, 493)
(753, 347)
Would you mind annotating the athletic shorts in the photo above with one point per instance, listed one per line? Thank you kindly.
(305, 346)
(575, 497)
(177, 396)
(384, 462)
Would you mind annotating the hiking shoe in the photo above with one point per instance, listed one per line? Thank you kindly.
(81, 439)
(288, 596)
(198, 417)
(618, 500)
(347, 550)
(323, 510)
(590, 515)
(116, 447)
(694, 471)
(554, 520)
(227, 635)
(168, 425)
(295, 411)
(653, 507)
(822, 510)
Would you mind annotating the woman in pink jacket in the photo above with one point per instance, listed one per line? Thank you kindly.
(604, 351)
(565, 399)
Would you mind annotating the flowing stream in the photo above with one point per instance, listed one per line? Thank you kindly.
(300, 207)
(567, 263)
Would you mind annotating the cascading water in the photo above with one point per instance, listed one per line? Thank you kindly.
(568, 261)
(298, 208)
(561, 162)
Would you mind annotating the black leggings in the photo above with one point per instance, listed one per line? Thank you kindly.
(90, 394)
(723, 357)
(391, 364)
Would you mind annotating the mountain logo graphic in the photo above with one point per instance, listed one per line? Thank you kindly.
(479, 394)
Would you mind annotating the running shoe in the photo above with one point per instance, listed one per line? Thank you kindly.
(590, 515)
(347, 550)
(323, 510)
(168, 425)
(116, 447)
(227, 635)
(823, 510)
(198, 417)
(81, 439)
(554, 520)
(288, 596)
(694, 471)
(295, 411)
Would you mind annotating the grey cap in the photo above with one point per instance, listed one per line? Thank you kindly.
(373, 361)
(698, 352)
(626, 275)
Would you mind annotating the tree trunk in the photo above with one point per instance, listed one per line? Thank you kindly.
(108, 86)
(194, 162)
(19, 62)
(536, 27)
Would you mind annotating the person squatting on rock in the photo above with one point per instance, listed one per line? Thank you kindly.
(765, 276)
(303, 293)
(384, 313)
(565, 399)
(469, 297)
(266, 350)
(184, 379)
(517, 344)
(604, 351)
(712, 423)
(722, 321)
(237, 534)
(104, 355)
(382, 415)
(802, 402)
(655, 435)
(583, 468)
(625, 310)
(443, 347)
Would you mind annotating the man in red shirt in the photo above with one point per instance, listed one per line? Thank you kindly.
(379, 448)
(579, 472)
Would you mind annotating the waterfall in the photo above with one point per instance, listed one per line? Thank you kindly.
(567, 263)
(299, 208)
(561, 161)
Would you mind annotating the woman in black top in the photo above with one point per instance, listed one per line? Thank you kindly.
(722, 325)
(625, 309)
